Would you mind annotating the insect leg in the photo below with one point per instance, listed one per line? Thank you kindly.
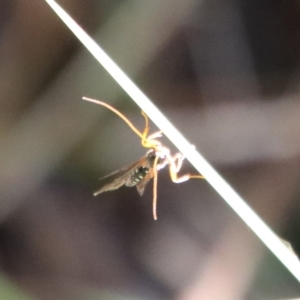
(175, 163)
(149, 141)
(155, 135)
(145, 132)
(154, 202)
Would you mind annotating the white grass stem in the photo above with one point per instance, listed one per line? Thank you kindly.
(268, 237)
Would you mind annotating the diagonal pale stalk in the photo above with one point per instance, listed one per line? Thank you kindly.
(268, 237)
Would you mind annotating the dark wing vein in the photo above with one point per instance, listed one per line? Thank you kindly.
(118, 178)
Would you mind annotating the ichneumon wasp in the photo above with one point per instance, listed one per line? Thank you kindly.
(141, 172)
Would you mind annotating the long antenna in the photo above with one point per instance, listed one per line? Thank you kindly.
(268, 237)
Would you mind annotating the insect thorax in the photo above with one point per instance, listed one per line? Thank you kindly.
(140, 173)
(152, 154)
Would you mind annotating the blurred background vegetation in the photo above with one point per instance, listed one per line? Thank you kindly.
(227, 75)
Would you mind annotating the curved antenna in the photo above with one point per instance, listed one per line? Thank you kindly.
(143, 135)
(132, 127)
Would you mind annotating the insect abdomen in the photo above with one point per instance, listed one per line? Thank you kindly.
(137, 176)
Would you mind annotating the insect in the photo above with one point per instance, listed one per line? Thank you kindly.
(141, 172)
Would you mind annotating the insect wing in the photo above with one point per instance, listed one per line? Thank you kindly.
(142, 185)
(118, 178)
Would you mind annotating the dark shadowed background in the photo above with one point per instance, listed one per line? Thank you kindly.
(226, 73)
